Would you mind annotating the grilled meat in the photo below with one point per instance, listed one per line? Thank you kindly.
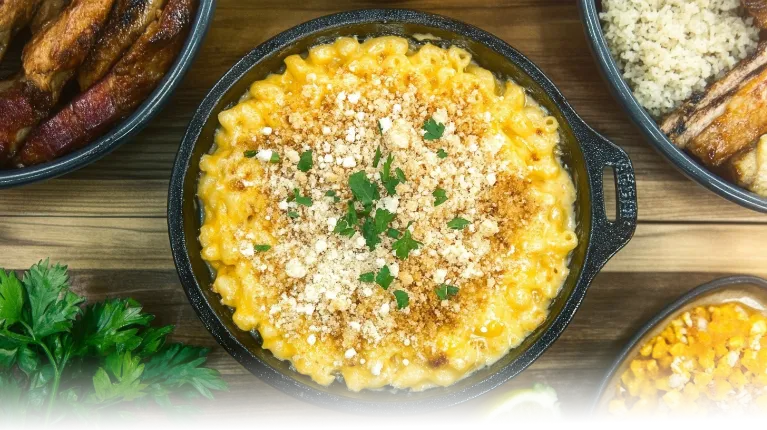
(749, 167)
(14, 15)
(127, 22)
(47, 13)
(694, 115)
(742, 120)
(130, 81)
(758, 10)
(48, 61)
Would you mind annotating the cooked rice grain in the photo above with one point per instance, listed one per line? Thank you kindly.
(670, 49)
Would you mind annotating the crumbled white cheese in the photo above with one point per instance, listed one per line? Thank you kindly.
(264, 155)
(349, 162)
(311, 339)
(385, 124)
(376, 369)
(350, 353)
(266, 131)
(353, 98)
(321, 245)
(295, 269)
(384, 308)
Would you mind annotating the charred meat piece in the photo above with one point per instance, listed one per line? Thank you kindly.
(14, 15)
(127, 22)
(47, 13)
(129, 82)
(48, 61)
(742, 121)
(694, 115)
(749, 168)
(758, 10)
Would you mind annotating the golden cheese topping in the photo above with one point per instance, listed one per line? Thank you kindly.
(709, 360)
(387, 214)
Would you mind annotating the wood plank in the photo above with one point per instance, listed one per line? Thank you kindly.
(142, 244)
(573, 366)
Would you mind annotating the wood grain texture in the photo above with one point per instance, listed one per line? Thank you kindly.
(107, 221)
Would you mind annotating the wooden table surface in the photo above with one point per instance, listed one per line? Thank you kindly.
(108, 220)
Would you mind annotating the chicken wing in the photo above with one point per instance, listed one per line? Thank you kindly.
(47, 13)
(14, 15)
(127, 22)
(129, 82)
(48, 61)
(758, 10)
(742, 121)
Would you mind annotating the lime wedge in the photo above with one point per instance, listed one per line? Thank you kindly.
(538, 402)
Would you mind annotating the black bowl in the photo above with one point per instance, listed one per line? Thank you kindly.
(647, 125)
(733, 288)
(586, 154)
(131, 125)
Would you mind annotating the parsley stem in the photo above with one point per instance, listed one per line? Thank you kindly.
(56, 380)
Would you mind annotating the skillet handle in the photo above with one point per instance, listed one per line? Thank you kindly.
(608, 237)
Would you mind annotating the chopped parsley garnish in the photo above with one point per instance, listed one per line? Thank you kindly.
(370, 233)
(401, 175)
(293, 214)
(403, 300)
(382, 220)
(363, 189)
(390, 182)
(345, 226)
(441, 153)
(334, 195)
(368, 277)
(377, 157)
(305, 162)
(275, 158)
(384, 278)
(262, 248)
(393, 233)
(458, 223)
(445, 291)
(301, 200)
(433, 129)
(405, 244)
(440, 196)
(380, 128)
(250, 153)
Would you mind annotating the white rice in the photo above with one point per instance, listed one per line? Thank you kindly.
(670, 49)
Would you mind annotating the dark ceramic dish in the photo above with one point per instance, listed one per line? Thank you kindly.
(652, 132)
(131, 125)
(748, 290)
(585, 153)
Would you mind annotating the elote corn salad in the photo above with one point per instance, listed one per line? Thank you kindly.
(710, 360)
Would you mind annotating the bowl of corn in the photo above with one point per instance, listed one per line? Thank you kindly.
(705, 354)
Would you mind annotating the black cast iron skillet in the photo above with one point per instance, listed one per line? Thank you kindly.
(647, 125)
(128, 127)
(748, 290)
(585, 152)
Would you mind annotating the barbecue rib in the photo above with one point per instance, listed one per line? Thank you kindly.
(749, 168)
(48, 61)
(127, 22)
(758, 10)
(14, 15)
(694, 115)
(130, 81)
(47, 13)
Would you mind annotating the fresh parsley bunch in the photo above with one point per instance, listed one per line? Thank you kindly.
(57, 354)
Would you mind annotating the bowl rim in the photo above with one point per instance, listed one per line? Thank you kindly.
(594, 258)
(131, 125)
(647, 125)
(670, 309)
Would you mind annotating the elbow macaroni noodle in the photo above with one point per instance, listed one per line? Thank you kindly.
(533, 252)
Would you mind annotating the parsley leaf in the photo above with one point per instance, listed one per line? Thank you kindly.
(389, 182)
(382, 220)
(458, 223)
(301, 200)
(332, 193)
(275, 158)
(262, 248)
(293, 214)
(52, 306)
(401, 175)
(445, 291)
(441, 153)
(250, 153)
(364, 190)
(342, 228)
(404, 245)
(178, 365)
(440, 196)
(106, 327)
(384, 278)
(351, 214)
(368, 277)
(433, 129)
(393, 233)
(126, 371)
(305, 162)
(11, 299)
(403, 300)
(370, 233)
(377, 157)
